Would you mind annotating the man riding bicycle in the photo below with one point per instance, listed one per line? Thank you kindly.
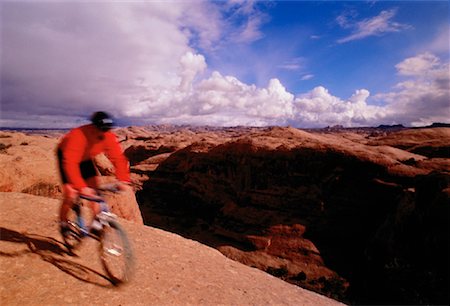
(78, 171)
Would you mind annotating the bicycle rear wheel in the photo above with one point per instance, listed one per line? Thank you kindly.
(115, 253)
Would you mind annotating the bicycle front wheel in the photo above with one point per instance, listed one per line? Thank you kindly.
(115, 253)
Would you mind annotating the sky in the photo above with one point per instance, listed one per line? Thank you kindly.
(307, 64)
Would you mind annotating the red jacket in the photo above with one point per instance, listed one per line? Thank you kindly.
(84, 143)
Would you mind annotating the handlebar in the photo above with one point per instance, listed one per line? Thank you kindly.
(112, 187)
(98, 199)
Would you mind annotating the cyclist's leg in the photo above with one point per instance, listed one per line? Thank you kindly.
(96, 226)
(69, 196)
(69, 193)
(93, 182)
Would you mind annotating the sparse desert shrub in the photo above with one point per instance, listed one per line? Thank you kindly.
(300, 277)
(278, 272)
(8, 187)
(4, 147)
(334, 287)
(43, 189)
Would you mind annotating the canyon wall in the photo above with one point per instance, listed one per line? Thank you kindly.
(344, 215)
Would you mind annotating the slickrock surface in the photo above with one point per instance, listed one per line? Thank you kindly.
(28, 164)
(170, 270)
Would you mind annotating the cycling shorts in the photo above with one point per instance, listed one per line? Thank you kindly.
(87, 168)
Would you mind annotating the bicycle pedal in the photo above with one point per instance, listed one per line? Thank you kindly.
(96, 233)
(84, 232)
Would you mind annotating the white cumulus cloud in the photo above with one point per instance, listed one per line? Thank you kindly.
(140, 61)
(422, 99)
(191, 65)
(319, 108)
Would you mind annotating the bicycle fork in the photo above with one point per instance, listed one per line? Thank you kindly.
(79, 219)
(102, 217)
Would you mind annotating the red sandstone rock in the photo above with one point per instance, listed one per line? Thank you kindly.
(324, 210)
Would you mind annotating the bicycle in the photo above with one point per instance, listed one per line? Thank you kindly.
(115, 249)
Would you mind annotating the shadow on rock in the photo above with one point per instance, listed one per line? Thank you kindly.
(51, 250)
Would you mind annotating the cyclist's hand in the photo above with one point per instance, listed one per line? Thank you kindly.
(89, 192)
(123, 187)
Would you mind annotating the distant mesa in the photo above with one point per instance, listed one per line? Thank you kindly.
(395, 126)
(401, 126)
(440, 124)
(207, 128)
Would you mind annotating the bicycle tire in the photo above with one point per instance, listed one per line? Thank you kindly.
(115, 253)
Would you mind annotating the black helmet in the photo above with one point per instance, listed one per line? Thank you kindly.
(102, 121)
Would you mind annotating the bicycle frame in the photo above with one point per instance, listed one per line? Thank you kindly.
(115, 249)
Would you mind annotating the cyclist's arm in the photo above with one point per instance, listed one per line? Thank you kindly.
(114, 152)
(89, 192)
(72, 156)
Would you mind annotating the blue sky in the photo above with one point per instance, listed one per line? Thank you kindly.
(307, 33)
(299, 63)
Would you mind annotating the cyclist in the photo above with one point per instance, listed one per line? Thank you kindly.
(78, 171)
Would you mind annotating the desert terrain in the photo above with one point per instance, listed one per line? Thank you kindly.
(357, 215)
